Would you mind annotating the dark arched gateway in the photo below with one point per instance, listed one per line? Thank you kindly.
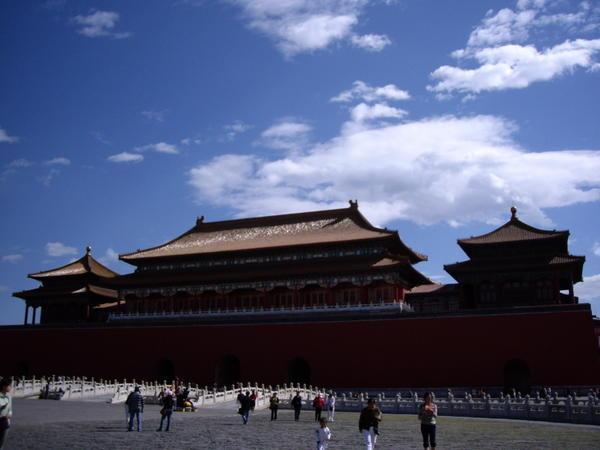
(228, 371)
(517, 376)
(166, 370)
(22, 369)
(299, 371)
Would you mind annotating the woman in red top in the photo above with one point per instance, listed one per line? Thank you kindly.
(318, 404)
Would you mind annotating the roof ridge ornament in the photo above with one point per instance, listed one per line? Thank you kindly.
(513, 212)
(199, 220)
(88, 250)
(353, 204)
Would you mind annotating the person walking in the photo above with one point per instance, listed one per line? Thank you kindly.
(135, 403)
(318, 403)
(330, 407)
(274, 405)
(323, 435)
(428, 416)
(297, 405)
(245, 406)
(253, 400)
(166, 412)
(5, 409)
(368, 423)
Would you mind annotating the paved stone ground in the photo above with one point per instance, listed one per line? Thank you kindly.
(40, 424)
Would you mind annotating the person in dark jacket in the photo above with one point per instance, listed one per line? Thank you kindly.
(297, 405)
(245, 406)
(368, 423)
(135, 405)
(274, 405)
(166, 412)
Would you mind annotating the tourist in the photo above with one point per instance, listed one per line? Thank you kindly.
(274, 405)
(245, 406)
(135, 404)
(368, 423)
(297, 405)
(427, 416)
(166, 412)
(330, 407)
(323, 434)
(253, 400)
(318, 403)
(5, 409)
(240, 396)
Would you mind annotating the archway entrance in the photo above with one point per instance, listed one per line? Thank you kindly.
(299, 371)
(166, 370)
(517, 376)
(22, 369)
(228, 371)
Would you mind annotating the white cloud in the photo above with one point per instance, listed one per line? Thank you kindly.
(589, 291)
(126, 157)
(57, 249)
(299, 26)
(515, 66)
(504, 26)
(596, 248)
(163, 147)
(503, 61)
(371, 42)
(197, 140)
(287, 134)
(362, 91)
(235, 128)
(110, 257)
(14, 258)
(5, 138)
(524, 4)
(514, 26)
(159, 147)
(60, 160)
(440, 169)
(47, 179)
(363, 112)
(19, 163)
(156, 116)
(99, 24)
(100, 137)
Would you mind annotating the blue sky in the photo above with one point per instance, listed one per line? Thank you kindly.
(119, 124)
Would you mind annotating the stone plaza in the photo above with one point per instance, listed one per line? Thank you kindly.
(97, 424)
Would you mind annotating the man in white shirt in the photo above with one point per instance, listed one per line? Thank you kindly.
(330, 407)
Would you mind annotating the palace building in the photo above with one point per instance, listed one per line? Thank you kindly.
(308, 297)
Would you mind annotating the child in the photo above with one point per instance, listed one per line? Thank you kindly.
(427, 416)
(323, 434)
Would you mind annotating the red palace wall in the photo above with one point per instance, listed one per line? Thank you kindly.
(559, 347)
